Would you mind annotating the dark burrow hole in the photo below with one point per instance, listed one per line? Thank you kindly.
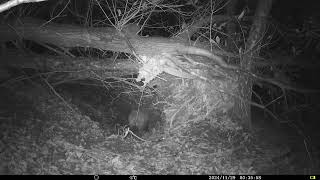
(111, 102)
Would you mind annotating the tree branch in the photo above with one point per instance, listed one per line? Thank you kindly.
(79, 67)
(12, 3)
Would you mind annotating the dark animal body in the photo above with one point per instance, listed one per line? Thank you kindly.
(139, 120)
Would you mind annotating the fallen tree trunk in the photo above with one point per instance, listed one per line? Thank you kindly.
(191, 85)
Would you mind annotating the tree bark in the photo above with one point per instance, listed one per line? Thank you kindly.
(75, 68)
(167, 54)
(231, 26)
(243, 108)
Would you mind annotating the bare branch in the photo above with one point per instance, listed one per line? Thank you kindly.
(9, 4)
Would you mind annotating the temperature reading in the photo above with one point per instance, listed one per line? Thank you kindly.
(133, 177)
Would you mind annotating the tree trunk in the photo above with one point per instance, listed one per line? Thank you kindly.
(231, 26)
(243, 108)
